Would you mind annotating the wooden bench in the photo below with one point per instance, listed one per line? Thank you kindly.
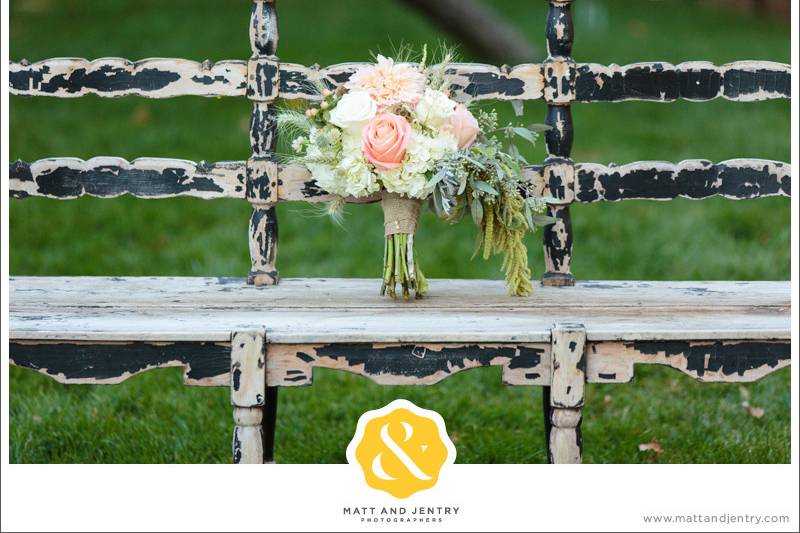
(256, 335)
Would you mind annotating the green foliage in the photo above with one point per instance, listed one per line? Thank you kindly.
(487, 181)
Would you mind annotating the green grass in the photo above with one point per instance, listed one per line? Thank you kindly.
(154, 418)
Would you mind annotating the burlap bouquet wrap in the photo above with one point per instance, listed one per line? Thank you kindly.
(400, 214)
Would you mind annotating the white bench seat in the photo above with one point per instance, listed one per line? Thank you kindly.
(742, 329)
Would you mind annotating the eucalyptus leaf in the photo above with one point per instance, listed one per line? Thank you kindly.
(513, 151)
(438, 204)
(462, 186)
(525, 134)
(476, 209)
(475, 162)
(544, 220)
(539, 127)
(439, 176)
(484, 187)
(518, 106)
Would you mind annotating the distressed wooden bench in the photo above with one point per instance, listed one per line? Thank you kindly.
(256, 335)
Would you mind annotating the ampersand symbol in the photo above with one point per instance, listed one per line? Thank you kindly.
(402, 450)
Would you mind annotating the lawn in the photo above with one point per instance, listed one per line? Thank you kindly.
(153, 418)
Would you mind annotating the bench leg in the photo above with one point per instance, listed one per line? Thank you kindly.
(565, 443)
(248, 436)
(248, 384)
(548, 425)
(567, 380)
(270, 418)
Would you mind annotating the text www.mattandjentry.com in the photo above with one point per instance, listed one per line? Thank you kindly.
(720, 518)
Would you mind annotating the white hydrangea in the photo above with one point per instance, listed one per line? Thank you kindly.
(327, 177)
(425, 151)
(434, 108)
(357, 176)
(401, 181)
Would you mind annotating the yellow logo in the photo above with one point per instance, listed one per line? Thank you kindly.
(401, 448)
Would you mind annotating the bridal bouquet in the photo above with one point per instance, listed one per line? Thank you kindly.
(393, 132)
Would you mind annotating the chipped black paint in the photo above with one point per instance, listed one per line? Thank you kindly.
(743, 83)
(708, 179)
(483, 83)
(295, 83)
(559, 30)
(259, 186)
(610, 375)
(304, 357)
(265, 84)
(103, 79)
(264, 232)
(526, 358)
(237, 447)
(236, 381)
(402, 361)
(202, 360)
(209, 80)
(558, 139)
(263, 129)
(311, 189)
(112, 180)
(733, 358)
(558, 244)
(665, 82)
(264, 28)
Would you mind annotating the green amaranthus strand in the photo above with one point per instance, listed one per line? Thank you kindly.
(506, 235)
(400, 268)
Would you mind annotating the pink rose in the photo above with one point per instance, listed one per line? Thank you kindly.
(464, 126)
(385, 140)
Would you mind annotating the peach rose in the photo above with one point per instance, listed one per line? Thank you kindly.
(464, 126)
(385, 139)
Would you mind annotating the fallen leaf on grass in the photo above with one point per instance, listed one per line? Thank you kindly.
(652, 446)
(454, 437)
(752, 410)
(607, 399)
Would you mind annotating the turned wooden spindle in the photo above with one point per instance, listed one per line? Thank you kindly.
(559, 91)
(248, 382)
(566, 393)
(263, 76)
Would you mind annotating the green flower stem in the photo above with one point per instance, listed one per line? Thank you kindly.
(400, 267)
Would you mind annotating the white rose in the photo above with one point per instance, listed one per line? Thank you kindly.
(434, 108)
(353, 111)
